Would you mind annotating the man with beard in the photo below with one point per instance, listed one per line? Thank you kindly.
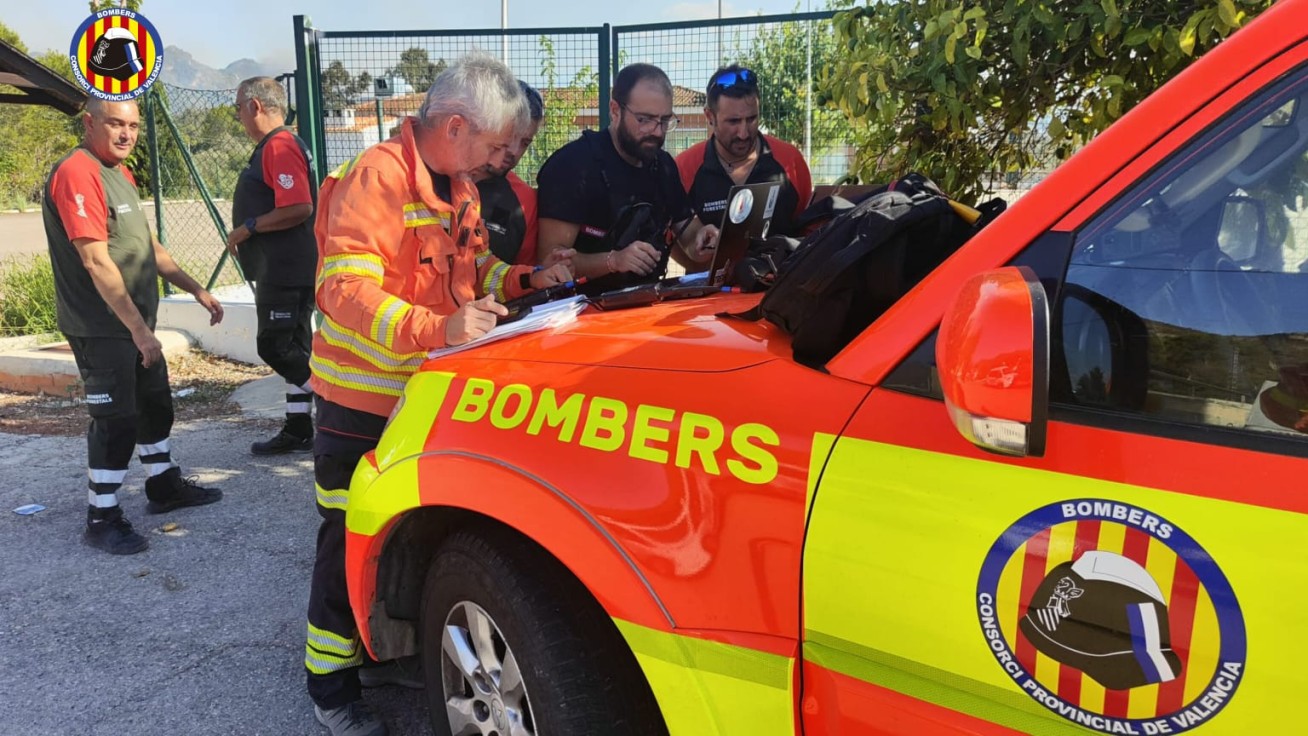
(586, 185)
(736, 153)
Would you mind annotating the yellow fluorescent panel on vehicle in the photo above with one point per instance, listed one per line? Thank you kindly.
(705, 687)
(896, 593)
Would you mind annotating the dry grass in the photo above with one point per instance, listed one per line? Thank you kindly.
(212, 378)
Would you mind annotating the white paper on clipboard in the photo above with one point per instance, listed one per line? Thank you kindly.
(548, 316)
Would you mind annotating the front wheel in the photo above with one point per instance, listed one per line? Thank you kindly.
(513, 645)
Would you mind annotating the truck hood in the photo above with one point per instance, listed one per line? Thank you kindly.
(684, 335)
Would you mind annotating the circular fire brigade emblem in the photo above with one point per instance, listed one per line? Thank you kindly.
(116, 54)
(1112, 617)
(741, 205)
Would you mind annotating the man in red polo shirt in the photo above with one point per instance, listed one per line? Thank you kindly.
(737, 153)
(273, 239)
(107, 266)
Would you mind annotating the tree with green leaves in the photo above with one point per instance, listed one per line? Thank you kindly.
(97, 5)
(779, 54)
(417, 68)
(965, 89)
(561, 107)
(32, 137)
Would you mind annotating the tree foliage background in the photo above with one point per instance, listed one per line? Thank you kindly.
(963, 90)
(32, 137)
(779, 55)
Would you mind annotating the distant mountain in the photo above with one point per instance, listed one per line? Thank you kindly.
(182, 70)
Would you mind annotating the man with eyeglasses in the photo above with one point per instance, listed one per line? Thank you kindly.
(273, 240)
(588, 183)
(737, 153)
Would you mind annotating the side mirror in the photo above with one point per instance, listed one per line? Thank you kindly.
(993, 358)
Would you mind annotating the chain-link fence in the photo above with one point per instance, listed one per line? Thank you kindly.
(562, 63)
(572, 68)
(785, 52)
(201, 149)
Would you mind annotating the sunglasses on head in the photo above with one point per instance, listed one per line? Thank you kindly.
(734, 79)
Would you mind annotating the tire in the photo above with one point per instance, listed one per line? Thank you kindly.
(499, 604)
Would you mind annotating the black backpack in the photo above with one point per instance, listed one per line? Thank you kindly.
(845, 275)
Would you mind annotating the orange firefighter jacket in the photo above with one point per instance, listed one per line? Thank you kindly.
(393, 261)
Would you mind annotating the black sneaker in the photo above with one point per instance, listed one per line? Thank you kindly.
(115, 536)
(169, 490)
(282, 443)
(403, 672)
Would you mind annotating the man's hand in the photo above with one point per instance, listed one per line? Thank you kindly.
(639, 258)
(706, 243)
(559, 273)
(561, 255)
(473, 320)
(210, 303)
(149, 346)
(235, 238)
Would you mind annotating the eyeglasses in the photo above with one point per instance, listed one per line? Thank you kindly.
(734, 79)
(650, 122)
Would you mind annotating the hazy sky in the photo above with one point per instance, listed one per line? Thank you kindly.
(218, 33)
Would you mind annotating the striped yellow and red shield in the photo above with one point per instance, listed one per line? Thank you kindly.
(148, 48)
(1200, 610)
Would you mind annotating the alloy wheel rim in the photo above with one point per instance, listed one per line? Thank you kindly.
(482, 686)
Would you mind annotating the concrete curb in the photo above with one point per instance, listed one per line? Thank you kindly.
(263, 398)
(50, 368)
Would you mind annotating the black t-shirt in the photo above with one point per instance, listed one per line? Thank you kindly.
(710, 185)
(587, 183)
(440, 185)
(506, 223)
(280, 173)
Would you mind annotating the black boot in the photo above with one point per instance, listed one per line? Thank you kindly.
(296, 435)
(107, 530)
(169, 490)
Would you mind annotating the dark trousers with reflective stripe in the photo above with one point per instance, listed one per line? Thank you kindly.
(129, 404)
(285, 336)
(333, 652)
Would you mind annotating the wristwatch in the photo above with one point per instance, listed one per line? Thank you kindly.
(249, 225)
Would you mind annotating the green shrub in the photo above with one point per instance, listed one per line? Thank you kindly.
(27, 296)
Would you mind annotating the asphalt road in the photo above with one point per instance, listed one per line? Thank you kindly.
(192, 238)
(201, 634)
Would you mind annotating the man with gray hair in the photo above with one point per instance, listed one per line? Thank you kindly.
(271, 208)
(405, 267)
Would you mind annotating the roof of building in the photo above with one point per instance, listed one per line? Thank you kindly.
(37, 84)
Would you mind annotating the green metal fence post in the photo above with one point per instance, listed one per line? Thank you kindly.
(152, 138)
(307, 100)
(607, 64)
(204, 194)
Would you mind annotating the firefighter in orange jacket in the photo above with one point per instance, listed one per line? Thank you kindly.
(404, 267)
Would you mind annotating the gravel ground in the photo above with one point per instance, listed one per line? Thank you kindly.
(201, 634)
(202, 384)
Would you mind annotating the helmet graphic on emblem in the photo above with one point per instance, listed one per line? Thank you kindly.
(115, 54)
(1104, 615)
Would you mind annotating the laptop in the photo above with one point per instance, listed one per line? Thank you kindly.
(747, 215)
